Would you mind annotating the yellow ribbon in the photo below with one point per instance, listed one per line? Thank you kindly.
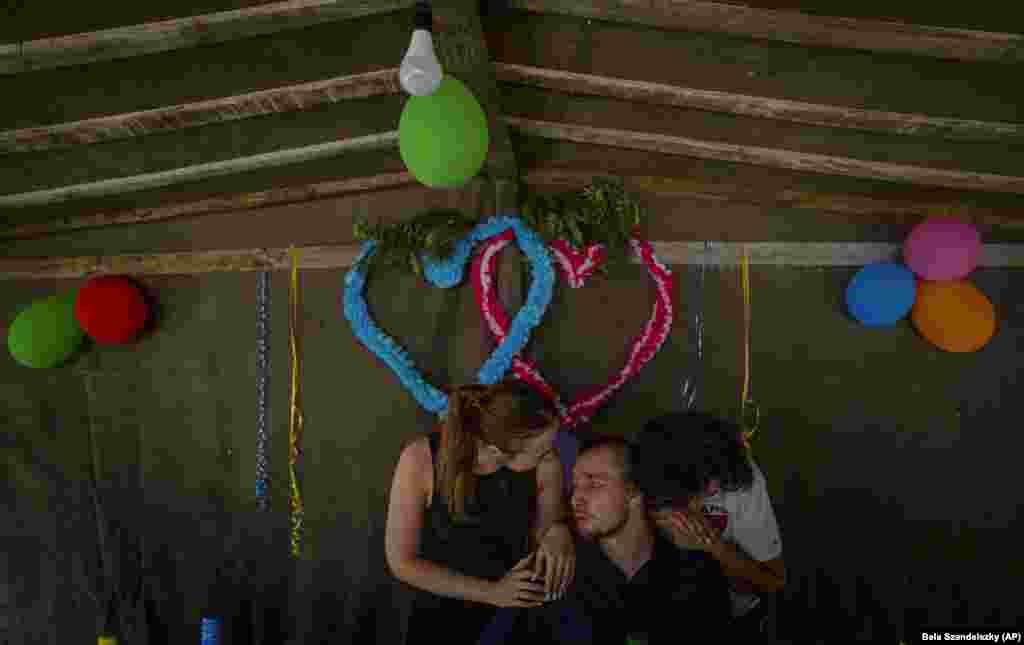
(746, 403)
(296, 419)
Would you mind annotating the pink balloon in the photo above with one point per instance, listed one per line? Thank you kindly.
(942, 248)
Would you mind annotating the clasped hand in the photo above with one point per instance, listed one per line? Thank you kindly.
(543, 575)
(686, 529)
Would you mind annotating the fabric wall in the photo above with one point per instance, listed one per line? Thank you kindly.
(888, 461)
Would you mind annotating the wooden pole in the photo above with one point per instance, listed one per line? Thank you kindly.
(462, 51)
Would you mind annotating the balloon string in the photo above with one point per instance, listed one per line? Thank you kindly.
(296, 420)
(749, 429)
(746, 326)
(691, 384)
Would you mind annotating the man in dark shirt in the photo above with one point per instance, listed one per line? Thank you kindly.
(630, 580)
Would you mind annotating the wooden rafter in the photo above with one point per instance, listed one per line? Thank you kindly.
(242, 201)
(260, 20)
(794, 27)
(773, 158)
(739, 192)
(770, 157)
(826, 254)
(381, 141)
(830, 116)
(190, 115)
(685, 187)
(385, 82)
(178, 33)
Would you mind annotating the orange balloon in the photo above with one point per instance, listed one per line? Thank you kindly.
(954, 316)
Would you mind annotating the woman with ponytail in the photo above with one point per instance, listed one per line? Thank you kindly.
(477, 514)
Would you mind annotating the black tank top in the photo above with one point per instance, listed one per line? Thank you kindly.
(497, 535)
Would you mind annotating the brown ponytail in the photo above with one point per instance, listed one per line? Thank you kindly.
(459, 447)
(498, 414)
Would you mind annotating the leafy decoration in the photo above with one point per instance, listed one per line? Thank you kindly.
(433, 233)
(602, 213)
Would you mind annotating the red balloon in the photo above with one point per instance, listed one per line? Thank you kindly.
(111, 310)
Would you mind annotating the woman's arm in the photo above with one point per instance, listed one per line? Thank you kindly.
(405, 520)
(551, 505)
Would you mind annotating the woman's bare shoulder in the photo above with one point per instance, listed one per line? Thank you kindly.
(417, 464)
(417, 453)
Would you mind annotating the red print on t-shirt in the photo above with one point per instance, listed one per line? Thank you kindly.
(716, 516)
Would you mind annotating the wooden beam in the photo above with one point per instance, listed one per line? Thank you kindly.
(797, 254)
(192, 262)
(770, 157)
(462, 52)
(815, 254)
(564, 179)
(381, 141)
(385, 82)
(244, 201)
(178, 33)
(794, 27)
(725, 192)
(759, 106)
(190, 115)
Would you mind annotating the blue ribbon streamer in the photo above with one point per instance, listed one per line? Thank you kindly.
(446, 274)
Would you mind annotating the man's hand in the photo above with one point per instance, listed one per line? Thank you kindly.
(556, 560)
(518, 588)
(687, 530)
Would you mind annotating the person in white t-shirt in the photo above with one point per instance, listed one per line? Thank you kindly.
(705, 492)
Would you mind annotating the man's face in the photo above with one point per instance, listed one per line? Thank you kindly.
(600, 502)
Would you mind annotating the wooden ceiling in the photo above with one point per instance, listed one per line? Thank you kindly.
(225, 108)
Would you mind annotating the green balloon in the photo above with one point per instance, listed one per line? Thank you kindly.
(443, 137)
(46, 333)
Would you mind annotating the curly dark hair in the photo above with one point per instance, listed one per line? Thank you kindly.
(677, 455)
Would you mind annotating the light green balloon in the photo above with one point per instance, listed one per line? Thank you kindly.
(443, 137)
(46, 333)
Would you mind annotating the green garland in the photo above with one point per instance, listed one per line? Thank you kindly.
(602, 213)
(434, 232)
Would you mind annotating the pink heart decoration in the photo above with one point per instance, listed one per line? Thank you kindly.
(576, 268)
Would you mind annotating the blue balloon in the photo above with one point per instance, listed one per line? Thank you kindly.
(881, 294)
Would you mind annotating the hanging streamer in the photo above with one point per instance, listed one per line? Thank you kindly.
(750, 413)
(262, 388)
(296, 420)
(691, 384)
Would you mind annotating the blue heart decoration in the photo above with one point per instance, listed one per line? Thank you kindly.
(447, 274)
